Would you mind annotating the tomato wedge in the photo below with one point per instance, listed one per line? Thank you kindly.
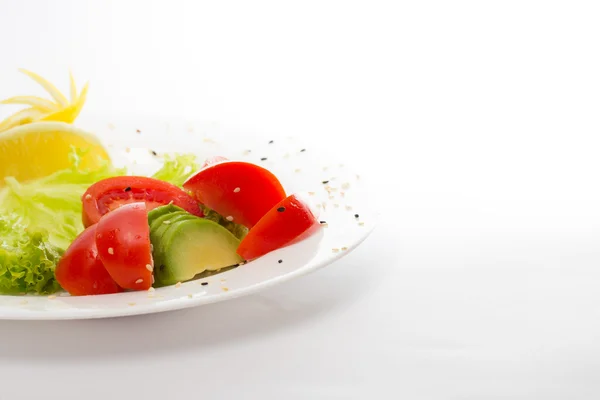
(80, 271)
(241, 192)
(289, 221)
(123, 241)
(108, 194)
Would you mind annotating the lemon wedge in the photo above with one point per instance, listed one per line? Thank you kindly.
(40, 109)
(38, 149)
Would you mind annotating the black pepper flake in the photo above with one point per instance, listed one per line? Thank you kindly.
(154, 153)
(204, 283)
(325, 182)
(263, 159)
(356, 215)
(281, 209)
(270, 142)
(302, 151)
(280, 261)
(128, 189)
(322, 222)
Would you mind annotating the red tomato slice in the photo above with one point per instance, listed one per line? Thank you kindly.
(123, 240)
(109, 194)
(289, 221)
(239, 191)
(80, 271)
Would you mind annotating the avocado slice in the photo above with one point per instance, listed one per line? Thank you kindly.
(162, 210)
(165, 220)
(193, 246)
(158, 229)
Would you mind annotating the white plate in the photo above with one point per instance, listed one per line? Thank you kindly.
(131, 143)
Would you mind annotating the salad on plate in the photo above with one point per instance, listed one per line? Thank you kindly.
(72, 221)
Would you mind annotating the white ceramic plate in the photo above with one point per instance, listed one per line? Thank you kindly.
(299, 166)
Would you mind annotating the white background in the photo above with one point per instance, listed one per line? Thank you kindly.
(479, 124)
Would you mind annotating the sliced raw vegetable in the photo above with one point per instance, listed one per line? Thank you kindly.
(123, 241)
(81, 272)
(110, 194)
(192, 246)
(287, 222)
(239, 191)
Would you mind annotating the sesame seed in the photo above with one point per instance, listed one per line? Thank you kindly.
(166, 222)
(190, 296)
(342, 194)
(246, 152)
(225, 289)
(178, 284)
(311, 193)
(128, 189)
(204, 283)
(286, 155)
(348, 208)
(139, 281)
(325, 182)
(23, 302)
(151, 247)
(325, 168)
(111, 250)
(151, 289)
(51, 297)
(138, 131)
(345, 185)
(229, 218)
(149, 267)
(280, 261)
(361, 224)
(356, 215)
(187, 169)
(88, 196)
(319, 205)
(153, 279)
(236, 190)
(281, 209)
(127, 149)
(263, 159)
(297, 170)
(344, 248)
(331, 197)
(131, 304)
(335, 250)
(336, 205)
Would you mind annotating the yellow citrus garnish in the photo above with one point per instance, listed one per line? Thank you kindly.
(37, 141)
(38, 149)
(41, 109)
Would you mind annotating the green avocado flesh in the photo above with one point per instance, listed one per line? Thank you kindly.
(187, 245)
(162, 210)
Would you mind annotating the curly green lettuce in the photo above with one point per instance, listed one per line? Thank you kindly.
(53, 204)
(38, 221)
(27, 259)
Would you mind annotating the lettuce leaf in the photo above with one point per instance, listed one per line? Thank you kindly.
(38, 221)
(27, 259)
(177, 168)
(52, 205)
